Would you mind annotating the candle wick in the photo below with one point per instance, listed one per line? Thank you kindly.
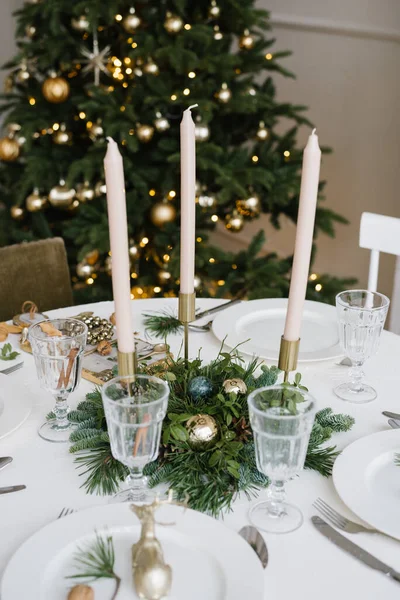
(193, 106)
(313, 131)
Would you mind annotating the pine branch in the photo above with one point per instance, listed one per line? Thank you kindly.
(161, 324)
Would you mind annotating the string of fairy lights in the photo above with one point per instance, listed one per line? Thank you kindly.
(99, 66)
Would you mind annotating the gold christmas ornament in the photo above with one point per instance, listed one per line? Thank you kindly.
(250, 207)
(201, 132)
(214, 10)
(95, 130)
(55, 89)
(162, 213)
(203, 432)
(9, 149)
(61, 196)
(22, 75)
(100, 189)
(134, 252)
(218, 35)
(80, 23)
(62, 137)
(164, 276)
(237, 386)
(30, 31)
(197, 282)
(84, 270)
(173, 23)
(144, 132)
(224, 94)
(234, 222)
(151, 68)
(84, 192)
(161, 123)
(35, 201)
(262, 132)
(131, 22)
(246, 41)
(17, 213)
(206, 201)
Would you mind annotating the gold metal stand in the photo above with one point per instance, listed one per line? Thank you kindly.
(186, 314)
(127, 363)
(288, 353)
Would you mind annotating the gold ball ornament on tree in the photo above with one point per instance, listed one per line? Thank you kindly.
(35, 201)
(84, 270)
(237, 386)
(201, 132)
(249, 207)
(164, 276)
(134, 251)
(84, 192)
(162, 213)
(214, 11)
(30, 31)
(55, 89)
(224, 94)
(22, 75)
(234, 222)
(262, 132)
(144, 132)
(173, 23)
(95, 130)
(131, 22)
(80, 23)
(61, 196)
(17, 213)
(62, 137)
(246, 41)
(151, 68)
(9, 149)
(161, 123)
(203, 432)
(100, 189)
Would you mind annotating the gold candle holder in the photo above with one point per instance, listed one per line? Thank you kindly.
(186, 314)
(288, 354)
(127, 363)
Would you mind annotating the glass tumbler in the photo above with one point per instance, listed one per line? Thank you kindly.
(58, 360)
(135, 406)
(361, 316)
(281, 441)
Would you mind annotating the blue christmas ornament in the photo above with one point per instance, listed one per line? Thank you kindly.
(200, 388)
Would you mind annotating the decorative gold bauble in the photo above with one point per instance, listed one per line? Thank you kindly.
(237, 386)
(22, 75)
(234, 222)
(201, 132)
(250, 207)
(224, 94)
(173, 23)
(30, 31)
(55, 89)
(134, 251)
(84, 270)
(84, 192)
(164, 276)
(206, 201)
(218, 35)
(62, 137)
(17, 213)
(203, 432)
(100, 189)
(161, 123)
(162, 213)
(246, 41)
(80, 23)
(214, 10)
(35, 201)
(61, 196)
(95, 130)
(131, 22)
(144, 132)
(9, 149)
(151, 68)
(262, 133)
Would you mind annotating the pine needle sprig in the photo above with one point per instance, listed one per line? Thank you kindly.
(162, 324)
(97, 562)
(104, 474)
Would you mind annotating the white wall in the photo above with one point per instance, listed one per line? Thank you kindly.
(350, 82)
(7, 30)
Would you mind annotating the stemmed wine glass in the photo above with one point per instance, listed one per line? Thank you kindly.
(135, 407)
(58, 346)
(281, 440)
(361, 315)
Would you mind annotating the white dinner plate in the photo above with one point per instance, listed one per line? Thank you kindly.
(368, 481)
(209, 561)
(262, 323)
(15, 404)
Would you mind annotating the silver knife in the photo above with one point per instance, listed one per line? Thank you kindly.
(211, 311)
(11, 488)
(391, 415)
(256, 541)
(342, 542)
(4, 461)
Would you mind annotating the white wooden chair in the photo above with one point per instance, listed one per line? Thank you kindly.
(379, 233)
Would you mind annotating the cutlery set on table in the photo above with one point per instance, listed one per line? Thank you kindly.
(4, 461)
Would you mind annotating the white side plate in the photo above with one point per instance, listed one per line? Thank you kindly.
(15, 404)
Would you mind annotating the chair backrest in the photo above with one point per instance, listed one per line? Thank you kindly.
(379, 233)
(36, 271)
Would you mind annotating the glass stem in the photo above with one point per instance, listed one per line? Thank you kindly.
(356, 375)
(137, 484)
(276, 499)
(61, 412)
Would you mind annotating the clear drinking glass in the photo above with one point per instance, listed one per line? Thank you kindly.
(281, 441)
(135, 406)
(361, 315)
(58, 361)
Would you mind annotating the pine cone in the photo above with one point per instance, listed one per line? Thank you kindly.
(242, 428)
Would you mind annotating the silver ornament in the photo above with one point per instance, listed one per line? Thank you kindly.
(161, 123)
(224, 94)
(84, 192)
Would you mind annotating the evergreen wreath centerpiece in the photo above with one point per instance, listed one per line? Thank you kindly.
(207, 448)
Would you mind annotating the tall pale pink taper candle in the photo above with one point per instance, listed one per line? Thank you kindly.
(117, 222)
(188, 201)
(304, 237)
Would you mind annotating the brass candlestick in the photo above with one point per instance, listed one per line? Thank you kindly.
(186, 314)
(127, 363)
(288, 353)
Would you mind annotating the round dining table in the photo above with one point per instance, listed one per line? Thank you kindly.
(302, 564)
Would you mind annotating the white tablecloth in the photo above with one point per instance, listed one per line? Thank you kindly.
(302, 564)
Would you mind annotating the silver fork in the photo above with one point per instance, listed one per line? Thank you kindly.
(338, 520)
(200, 328)
(65, 512)
(12, 369)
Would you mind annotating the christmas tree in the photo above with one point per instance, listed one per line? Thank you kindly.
(90, 69)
